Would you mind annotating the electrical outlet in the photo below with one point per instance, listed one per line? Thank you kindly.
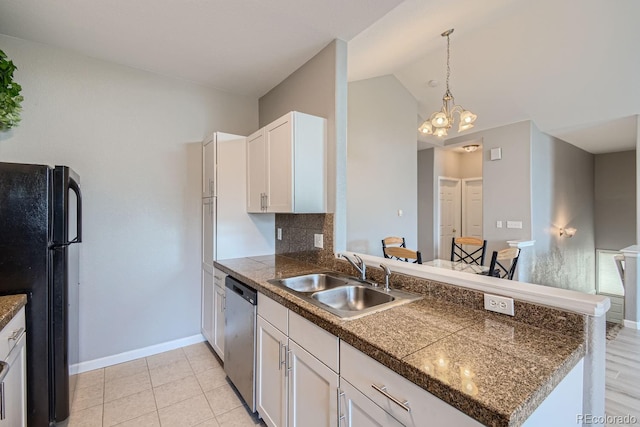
(279, 232)
(499, 304)
(498, 224)
(318, 240)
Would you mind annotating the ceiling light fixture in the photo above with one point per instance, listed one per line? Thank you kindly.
(442, 120)
(471, 148)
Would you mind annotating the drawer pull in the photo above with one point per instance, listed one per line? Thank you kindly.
(16, 334)
(404, 404)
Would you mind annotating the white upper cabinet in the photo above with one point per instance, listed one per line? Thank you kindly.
(209, 168)
(286, 166)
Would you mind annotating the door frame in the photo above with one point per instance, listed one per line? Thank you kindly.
(465, 182)
(438, 213)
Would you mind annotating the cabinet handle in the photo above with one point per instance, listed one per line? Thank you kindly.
(211, 188)
(341, 417)
(287, 360)
(15, 335)
(280, 358)
(4, 370)
(404, 404)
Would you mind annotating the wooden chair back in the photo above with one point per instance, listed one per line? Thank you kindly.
(404, 254)
(460, 250)
(392, 241)
(504, 262)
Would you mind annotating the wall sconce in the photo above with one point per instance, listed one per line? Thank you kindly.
(567, 232)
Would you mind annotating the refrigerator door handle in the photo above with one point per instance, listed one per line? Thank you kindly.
(73, 185)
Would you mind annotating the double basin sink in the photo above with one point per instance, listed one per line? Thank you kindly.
(344, 296)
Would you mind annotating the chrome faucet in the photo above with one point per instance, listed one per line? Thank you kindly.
(358, 264)
(387, 274)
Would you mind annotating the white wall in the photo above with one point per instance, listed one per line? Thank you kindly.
(134, 139)
(382, 170)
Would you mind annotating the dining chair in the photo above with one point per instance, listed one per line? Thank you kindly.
(468, 255)
(392, 241)
(503, 263)
(403, 254)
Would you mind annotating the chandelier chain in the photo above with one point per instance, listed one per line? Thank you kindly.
(448, 67)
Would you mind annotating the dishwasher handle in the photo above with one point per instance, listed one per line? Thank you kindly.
(244, 291)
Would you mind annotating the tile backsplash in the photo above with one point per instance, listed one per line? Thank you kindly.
(298, 232)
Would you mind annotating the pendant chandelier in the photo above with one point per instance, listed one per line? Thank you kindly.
(442, 120)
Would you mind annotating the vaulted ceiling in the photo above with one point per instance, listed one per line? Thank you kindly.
(571, 66)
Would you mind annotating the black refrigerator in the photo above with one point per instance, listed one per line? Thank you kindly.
(40, 224)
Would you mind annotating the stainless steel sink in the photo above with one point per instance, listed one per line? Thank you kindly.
(313, 282)
(352, 298)
(344, 296)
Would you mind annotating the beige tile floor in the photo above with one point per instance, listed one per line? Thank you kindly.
(183, 387)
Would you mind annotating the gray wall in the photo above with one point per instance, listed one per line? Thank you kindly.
(615, 200)
(381, 164)
(133, 137)
(563, 196)
(506, 184)
(319, 87)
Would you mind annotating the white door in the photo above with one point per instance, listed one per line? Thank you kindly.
(271, 383)
(472, 207)
(313, 389)
(256, 171)
(208, 230)
(280, 160)
(449, 215)
(218, 321)
(207, 303)
(359, 411)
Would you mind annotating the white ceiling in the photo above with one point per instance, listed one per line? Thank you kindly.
(240, 46)
(571, 66)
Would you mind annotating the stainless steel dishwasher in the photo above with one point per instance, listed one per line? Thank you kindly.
(239, 338)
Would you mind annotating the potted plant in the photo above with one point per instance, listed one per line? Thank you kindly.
(10, 98)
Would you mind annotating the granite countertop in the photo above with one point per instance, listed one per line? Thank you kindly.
(490, 367)
(9, 307)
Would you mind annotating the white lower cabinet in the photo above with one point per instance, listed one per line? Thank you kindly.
(219, 307)
(13, 396)
(294, 388)
(358, 410)
(206, 326)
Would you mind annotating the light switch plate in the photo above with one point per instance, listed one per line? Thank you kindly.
(496, 153)
(279, 232)
(318, 241)
(514, 224)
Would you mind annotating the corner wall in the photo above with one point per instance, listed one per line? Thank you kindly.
(563, 194)
(382, 171)
(319, 87)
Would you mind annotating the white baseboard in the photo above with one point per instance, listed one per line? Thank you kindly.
(128, 356)
(631, 324)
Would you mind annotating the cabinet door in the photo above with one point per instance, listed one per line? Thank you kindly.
(207, 303)
(208, 168)
(218, 321)
(14, 394)
(359, 411)
(313, 389)
(208, 230)
(256, 171)
(279, 137)
(270, 374)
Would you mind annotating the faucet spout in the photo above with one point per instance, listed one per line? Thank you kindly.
(387, 274)
(358, 264)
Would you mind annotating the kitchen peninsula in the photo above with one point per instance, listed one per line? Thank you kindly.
(494, 370)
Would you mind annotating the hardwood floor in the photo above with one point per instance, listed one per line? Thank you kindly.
(622, 395)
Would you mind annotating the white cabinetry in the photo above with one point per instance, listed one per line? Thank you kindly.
(286, 166)
(207, 296)
(13, 390)
(358, 410)
(219, 306)
(295, 385)
(209, 168)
